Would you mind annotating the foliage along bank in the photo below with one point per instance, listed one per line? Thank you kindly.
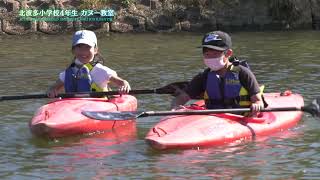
(164, 15)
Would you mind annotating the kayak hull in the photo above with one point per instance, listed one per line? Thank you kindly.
(176, 132)
(63, 117)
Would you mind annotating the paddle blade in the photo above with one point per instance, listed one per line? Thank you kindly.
(313, 108)
(171, 88)
(111, 116)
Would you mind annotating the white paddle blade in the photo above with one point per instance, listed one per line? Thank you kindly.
(111, 116)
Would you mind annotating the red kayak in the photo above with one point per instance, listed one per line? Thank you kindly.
(189, 131)
(63, 117)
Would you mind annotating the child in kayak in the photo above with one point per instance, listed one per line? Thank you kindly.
(86, 73)
(222, 84)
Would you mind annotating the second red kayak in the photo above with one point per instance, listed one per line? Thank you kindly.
(189, 131)
(63, 117)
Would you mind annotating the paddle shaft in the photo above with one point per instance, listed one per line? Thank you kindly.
(126, 115)
(168, 89)
(80, 95)
(215, 111)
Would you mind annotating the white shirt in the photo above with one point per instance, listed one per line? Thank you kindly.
(100, 74)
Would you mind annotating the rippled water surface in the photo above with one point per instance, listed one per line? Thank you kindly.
(280, 60)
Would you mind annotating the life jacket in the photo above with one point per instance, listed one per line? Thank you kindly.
(226, 92)
(78, 79)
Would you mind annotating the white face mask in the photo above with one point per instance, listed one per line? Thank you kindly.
(214, 64)
(77, 62)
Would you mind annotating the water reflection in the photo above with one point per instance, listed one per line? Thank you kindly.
(70, 154)
(247, 159)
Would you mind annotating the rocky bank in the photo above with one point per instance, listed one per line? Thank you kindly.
(168, 15)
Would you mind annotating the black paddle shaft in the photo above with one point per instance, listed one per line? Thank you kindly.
(168, 89)
(126, 115)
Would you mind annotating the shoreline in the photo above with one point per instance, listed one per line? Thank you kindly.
(158, 16)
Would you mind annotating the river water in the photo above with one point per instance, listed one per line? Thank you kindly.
(280, 60)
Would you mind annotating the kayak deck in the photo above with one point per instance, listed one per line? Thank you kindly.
(218, 129)
(63, 117)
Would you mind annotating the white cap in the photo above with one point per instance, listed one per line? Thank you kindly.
(84, 37)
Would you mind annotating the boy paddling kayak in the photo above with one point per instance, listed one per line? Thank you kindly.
(222, 84)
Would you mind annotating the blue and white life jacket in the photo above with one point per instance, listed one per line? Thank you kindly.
(78, 79)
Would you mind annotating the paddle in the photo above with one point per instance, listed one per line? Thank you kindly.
(312, 108)
(168, 89)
